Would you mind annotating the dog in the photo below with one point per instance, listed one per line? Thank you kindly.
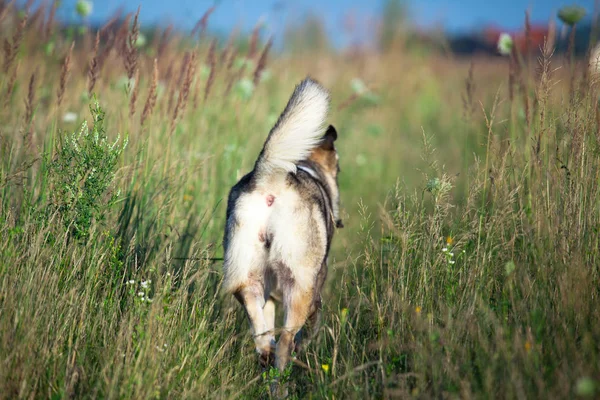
(280, 222)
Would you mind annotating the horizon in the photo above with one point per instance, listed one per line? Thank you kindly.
(337, 15)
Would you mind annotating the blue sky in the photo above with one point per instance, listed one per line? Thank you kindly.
(466, 14)
(454, 15)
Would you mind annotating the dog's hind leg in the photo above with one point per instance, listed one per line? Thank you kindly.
(252, 299)
(269, 313)
(310, 329)
(313, 322)
(297, 307)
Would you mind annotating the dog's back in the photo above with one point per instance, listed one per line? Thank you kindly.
(280, 222)
(285, 226)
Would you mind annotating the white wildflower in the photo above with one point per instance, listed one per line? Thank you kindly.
(69, 117)
(505, 44)
(358, 86)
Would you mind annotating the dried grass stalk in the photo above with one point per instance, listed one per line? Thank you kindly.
(64, 75)
(346, 103)
(229, 47)
(231, 60)
(183, 68)
(121, 37)
(200, 27)
(262, 62)
(94, 65)
(151, 100)
(184, 91)
(11, 84)
(211, 60)
(30, 100)
(233, 77)
(468, 95)
(543, 89)
(527, 35)
(548, 48)
(29, 112)
(11, 49)
(50, 23)
(253, 45)
(164, 41)
(131, 53)
(38, 18)
(5, 8)
(134, 93)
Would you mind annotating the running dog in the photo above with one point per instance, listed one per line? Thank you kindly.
(280, 222)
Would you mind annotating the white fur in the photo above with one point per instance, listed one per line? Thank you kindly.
(284, 224)
(245, 252)
(298, 131)
(310, 171)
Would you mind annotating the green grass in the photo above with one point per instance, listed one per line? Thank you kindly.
(469, 264)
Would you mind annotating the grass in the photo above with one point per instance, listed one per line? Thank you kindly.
(468, 267)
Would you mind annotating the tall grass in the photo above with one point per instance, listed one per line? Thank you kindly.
(468, 267)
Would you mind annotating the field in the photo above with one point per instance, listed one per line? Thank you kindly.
(469, 265)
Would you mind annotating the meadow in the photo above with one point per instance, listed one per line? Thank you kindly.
(468, 267)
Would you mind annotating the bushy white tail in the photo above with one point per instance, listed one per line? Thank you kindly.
(297, 132)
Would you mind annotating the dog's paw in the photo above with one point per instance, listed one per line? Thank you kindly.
(266, 359)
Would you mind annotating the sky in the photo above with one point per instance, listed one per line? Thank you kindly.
(452, 15)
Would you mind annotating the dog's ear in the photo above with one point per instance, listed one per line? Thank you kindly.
(328, 138)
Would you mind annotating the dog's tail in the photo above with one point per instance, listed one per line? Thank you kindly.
(297, 132)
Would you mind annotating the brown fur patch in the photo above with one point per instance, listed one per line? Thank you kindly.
(285, 277)
(301, 306)
(326, 159)
(325, 154)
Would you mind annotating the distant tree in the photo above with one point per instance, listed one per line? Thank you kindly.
(308, 35)
(392, 21)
